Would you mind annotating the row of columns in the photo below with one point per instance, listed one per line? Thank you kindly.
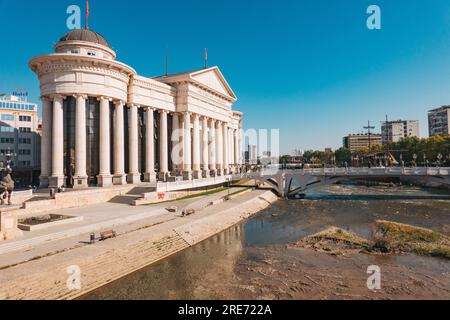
(215, 147)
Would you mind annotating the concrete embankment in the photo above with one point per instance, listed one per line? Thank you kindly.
(54, 277)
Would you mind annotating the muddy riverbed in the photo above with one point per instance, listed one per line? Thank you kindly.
(255, 260)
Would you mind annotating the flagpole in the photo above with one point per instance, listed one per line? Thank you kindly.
(87, 15)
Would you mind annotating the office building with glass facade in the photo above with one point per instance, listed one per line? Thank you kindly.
(19, 134)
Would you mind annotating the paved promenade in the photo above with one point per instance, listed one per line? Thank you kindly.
(34, 267)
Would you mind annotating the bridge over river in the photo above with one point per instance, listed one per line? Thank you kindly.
(291, 183)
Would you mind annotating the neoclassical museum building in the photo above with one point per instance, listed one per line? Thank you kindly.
(105, 125)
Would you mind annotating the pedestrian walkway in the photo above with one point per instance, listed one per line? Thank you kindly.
(96, 218)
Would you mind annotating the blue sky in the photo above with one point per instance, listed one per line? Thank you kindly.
(308, 67)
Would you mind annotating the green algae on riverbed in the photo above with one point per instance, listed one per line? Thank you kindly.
(389, 237)
(407, 238)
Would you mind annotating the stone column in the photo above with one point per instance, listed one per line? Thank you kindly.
(104, 179)
(187, 156)
(57, 178)
(230, 149)
(236, 150)
(80, 178)
(196, 147)
(212, 148)
(205, 148)
(163, 147)
(133, 175)
(225, 149)
(150, 174)
(241, 146)
(176, 144)
(219, 148)
(120, 177)
(46, 142)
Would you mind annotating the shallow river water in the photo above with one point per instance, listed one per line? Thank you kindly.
(253, 261)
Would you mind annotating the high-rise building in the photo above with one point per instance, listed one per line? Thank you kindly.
(251, 156)
(438, 121)
(356, 142)
(19, 137)
(394, 131)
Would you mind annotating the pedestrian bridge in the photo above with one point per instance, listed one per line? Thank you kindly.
(290, 183)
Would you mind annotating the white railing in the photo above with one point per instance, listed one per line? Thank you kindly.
(352, 171)
(191, 184)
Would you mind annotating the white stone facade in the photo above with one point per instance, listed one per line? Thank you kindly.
(96, 107)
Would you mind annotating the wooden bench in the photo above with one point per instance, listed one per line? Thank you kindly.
(188, 212)
(107, 235)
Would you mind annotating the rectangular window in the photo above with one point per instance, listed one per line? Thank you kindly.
(7, 117)
(7, 140)
(25, 141)
(6, 129)
(25, 118)
(24, 130)
(24, 152)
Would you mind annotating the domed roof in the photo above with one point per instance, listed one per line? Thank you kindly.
(85, 35)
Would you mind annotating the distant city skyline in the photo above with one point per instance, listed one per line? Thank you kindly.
(309, 68)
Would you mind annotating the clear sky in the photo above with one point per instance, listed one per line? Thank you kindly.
(308, 67)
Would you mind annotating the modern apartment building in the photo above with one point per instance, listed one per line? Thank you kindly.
(355, 142)
(438, 121)
(394, 131)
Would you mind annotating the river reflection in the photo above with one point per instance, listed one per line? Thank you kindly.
(180, 276)
(209, 269)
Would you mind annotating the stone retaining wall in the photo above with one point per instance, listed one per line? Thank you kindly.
(110, 260)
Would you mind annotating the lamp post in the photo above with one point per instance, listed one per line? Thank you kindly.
(439, 158)
(8, 154)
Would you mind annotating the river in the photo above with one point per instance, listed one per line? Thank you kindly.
(253, 260)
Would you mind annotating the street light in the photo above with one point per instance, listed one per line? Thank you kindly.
(8, 155)
(439, 158)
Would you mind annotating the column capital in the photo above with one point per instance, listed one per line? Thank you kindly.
(57, 97)
(147, 109)
(119, 103)
(104, 98)
(46, 98)
(76, 96)
(196, 116)
(162, 111)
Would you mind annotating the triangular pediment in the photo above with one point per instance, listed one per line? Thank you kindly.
(210, 78)
(213, 78)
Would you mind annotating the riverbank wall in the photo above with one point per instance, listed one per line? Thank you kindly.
(71, 274)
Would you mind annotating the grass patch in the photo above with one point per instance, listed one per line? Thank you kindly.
(206, 193)
(390, 237)
(340, 235)
(409, 238)
(203, 194)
